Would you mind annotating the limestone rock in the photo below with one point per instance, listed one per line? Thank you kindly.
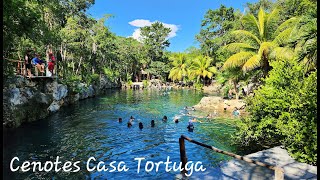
(55, 106)
(16, 98)
(91, 91)
(60, 91)
(43, 98)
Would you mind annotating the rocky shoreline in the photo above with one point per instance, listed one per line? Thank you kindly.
(27, 100)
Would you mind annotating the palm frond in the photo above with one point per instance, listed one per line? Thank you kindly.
(287, 24)
(252, 63)
(272, 20)
(282, 53)
(236, 47)
(266, 48)
(213, 69)
(250, 21)
(261, 19)
(246, 34)
(283, 37)
(237, 60)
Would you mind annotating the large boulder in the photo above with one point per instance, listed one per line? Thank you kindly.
(16, 97)
(91, 92)
(83, 91)
(55, 106)
(43, 98)
(60, 91)
(71, 99)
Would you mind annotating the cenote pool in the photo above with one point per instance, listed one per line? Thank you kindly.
(90, 128)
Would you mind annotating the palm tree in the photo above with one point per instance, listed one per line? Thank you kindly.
(201, 68)
(180, 67)
(260, 37)
(305, 42)
(300, 41)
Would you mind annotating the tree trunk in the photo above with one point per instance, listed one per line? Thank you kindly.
(78, 66)
(235, 89)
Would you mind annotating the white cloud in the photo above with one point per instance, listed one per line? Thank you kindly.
(142, 23)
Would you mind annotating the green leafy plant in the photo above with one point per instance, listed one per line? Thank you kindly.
(283, 112)
(145, 83)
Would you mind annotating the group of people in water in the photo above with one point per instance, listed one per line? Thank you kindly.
(190, 126)
(33, 59)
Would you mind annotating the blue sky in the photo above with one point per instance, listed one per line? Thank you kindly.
(183, 16)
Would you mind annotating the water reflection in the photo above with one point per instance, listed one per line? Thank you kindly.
(90, 128)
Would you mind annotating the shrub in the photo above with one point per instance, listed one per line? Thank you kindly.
(111, 74)
(94, 78)
(145, 83)
(198, 86)
(129, 83)
(283, 112)
(72, 83)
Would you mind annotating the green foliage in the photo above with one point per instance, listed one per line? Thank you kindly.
(180, 70)
(225, 90)
(284, 111)
(145, 83)
(155, 40)
(201, 68)
(129, 83)
(198, 86)
(111, 74)
(92, 79)
(73, 83)
(154, 37)
(215, 28)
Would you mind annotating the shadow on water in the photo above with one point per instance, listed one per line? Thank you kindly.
(90, 128)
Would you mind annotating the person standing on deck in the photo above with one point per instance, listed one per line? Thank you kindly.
(28, 64)
(51, 63)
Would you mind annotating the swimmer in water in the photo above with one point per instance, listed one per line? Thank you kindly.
(140, 125)
(131, 118)
(120, 120)
(176, 120)
(190, 126)
(165, 118)
(129, 124)
(152, 123)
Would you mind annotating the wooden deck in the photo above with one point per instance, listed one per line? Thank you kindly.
(39, 77)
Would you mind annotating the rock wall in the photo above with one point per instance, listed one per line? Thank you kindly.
(27, 100)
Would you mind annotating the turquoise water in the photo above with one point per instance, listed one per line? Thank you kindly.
(90, 128)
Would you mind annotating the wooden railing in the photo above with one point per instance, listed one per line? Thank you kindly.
(279, 172)
(20, 68)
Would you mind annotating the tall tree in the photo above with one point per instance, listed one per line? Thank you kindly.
(155, 39)
(215, 28)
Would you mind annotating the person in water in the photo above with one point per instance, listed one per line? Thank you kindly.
(176, 120)
(193, 109)
(129, 124)
(152, 123)
(140, 125)
(165, 118)
(120, 120)
(236, 112)
(190, 126)
(131, 118)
